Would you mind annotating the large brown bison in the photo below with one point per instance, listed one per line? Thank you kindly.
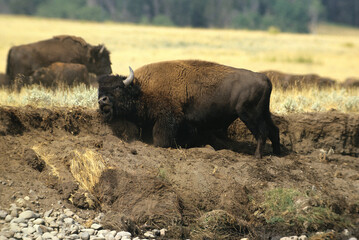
(60, 74)
(25, 59)
(180, 97)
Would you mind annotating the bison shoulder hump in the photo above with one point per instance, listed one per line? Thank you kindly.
(76, 39)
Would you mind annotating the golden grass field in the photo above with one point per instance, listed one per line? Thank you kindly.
(332, 52)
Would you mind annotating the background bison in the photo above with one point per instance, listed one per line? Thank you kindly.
(177, 98)
(351, 82)
(26, 59)
(61, 74)
(4, 80)
(288, 81)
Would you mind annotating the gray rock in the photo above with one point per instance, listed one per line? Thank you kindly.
(74, 236)
(54, 224)
(39, 221)
(88, 230)
(7, 233)
(68, 213)
(49, 219)
(84, 235)
(74, 229)
(156, 232)
(14, 213)
(163, 232)
(23, 225)
(149, 234)
(96, 226)
(122, 234)
(27, 214)
(3, 237)
(69, 221)
(8, 218)
(110, 235)
(353, 238)
(3, 214)
(40, 229)
(102, 233)
(15, 227)
(18, 220)
(18, 235)
(47, 235)
(26, 238)
(28, 230)
(48, 213)
(61, 235)
(302, 237)
(21, 202)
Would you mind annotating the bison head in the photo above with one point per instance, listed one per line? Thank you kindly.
(99, 60)
(116, 95)
(43, 76)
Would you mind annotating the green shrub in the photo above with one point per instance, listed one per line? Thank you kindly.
(292, 208)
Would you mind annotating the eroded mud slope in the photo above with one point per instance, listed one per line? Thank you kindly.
(50, 151)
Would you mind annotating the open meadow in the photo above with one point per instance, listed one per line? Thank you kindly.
(332, 53)
(56, 152)
(335, 56)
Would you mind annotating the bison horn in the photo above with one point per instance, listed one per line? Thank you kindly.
(102, 48)
(130, 78)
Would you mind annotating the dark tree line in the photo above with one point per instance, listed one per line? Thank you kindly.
(287, 15)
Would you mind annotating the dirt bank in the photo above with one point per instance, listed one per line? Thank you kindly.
(211, 191)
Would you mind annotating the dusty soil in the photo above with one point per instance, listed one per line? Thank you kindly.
(177, 188)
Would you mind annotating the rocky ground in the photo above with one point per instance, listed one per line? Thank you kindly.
(68, 161)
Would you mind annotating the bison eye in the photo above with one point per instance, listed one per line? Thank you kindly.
(118, 88)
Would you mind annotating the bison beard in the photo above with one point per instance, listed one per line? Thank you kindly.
(169, 97)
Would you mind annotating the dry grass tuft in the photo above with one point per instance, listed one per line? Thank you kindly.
(48, 158)
(86, 167)
(218, 224)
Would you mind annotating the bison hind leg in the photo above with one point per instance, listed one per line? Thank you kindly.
(165, 131)
(258, 127)
(273, 135)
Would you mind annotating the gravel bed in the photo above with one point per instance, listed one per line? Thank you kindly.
(23, 223)
(18, 223)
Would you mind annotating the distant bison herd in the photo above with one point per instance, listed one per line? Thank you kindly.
(61, 60)
(174, 100)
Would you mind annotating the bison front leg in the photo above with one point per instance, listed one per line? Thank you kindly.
(165, 131)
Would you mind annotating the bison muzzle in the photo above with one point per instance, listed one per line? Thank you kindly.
(190, 96)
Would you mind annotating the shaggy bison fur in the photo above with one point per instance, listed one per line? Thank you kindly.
(177, 98)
